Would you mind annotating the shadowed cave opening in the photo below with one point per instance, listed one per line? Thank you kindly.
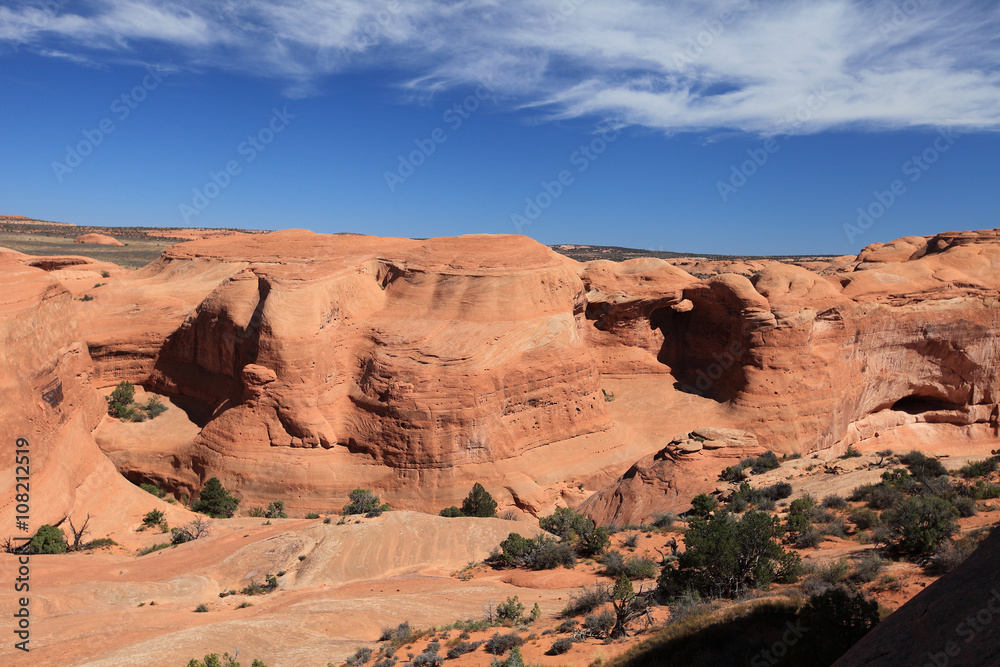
(916, 404)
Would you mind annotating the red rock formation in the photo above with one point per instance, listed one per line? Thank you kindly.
(99, 239)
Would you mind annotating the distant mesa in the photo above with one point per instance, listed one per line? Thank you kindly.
(97, 239)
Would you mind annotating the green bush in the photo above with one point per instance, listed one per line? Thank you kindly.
(360, 657)
(153, 407)
(966, 506)
(152, 488)
(664, 520)
(276, 510)
(979, 468)
(703, 505)
(727, 556)
(834, 502)
(922, 466)
(213, 660)
(451, 512)
(579, 530)
(916, 526)
(312, 515)
(479, 503)
(364, 502)
(510, 610)
(863, 517)
(499, 644)
(121, 398)
(634, 567)
(560, 646)
(851, 453)
(869, 567)
(152, 518)
(48, 540)
(600, 625)
(215, 501)
(462, 648)
(587, 600)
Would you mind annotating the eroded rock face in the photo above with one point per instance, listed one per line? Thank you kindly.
(315, 363)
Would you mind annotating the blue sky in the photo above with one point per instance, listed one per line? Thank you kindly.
(739, 127)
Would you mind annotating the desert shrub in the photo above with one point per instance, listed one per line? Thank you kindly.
(820, 515)
(499, 644)
(213, 660)
(48, 540)
(703, 505)
(916, 526)
(312, 515)
(860, 493)
(979, 468)
(600, 625)
(851, 453)
(884, 455)
(154, 407)
(883, 497)
(400, 634)
(215, 500)
(834, 502)
(664, 520)
(613, 562)
(201, 609)
(121, 399)
(727, 556)
(631, 541)
(479, 503)
(732, 473)
(810, 538)
(922, 466)
(514, 551)
(462, 648)
(587, 600)
(190, 532)
(966, 506)
(451, 512)
(833, 572)
(152, 518)
(569, 625)
(560, 646)
(950, 554)
(360, 657)
(549, 554)
(869, 567)
(835, 528)
(577, 529)
(981, 490)
(98, 543)
(801, 505)
(429, 658)
(364, 502)
(155, 547)
(510, 610)
(778, 491)
(153, 489)
(764, 462)
(256, 512)
(863, 517)
(276, 510)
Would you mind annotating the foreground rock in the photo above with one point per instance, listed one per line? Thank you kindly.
(955, 621)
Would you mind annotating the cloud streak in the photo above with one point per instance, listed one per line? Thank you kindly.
(686, 65)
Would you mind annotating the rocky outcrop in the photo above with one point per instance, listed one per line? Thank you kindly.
(99, 239)
(667, 480)
(954, 621)
(310, 364)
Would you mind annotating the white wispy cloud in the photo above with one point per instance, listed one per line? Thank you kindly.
(762, 66)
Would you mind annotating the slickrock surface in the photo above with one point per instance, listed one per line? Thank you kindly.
(99, 239)
(955, 621)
